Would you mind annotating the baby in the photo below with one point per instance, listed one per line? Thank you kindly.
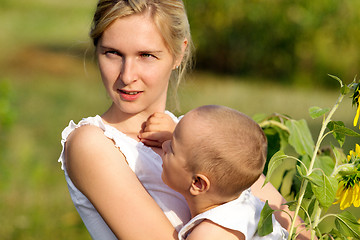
(215, 155)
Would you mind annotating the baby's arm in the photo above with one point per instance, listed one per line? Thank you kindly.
(99, 170)
(157, 129)
(208, 230)
(276, 201)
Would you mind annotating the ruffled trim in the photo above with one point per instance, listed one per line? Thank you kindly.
(110, 132)
(71, 127)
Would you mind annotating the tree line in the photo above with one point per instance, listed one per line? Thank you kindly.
(290, 41)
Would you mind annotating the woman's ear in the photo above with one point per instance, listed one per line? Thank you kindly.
(179, 58)
(200, 184)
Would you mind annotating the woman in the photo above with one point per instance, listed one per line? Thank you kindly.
(112, 163)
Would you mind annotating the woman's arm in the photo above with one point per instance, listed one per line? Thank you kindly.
(276, 201)
(100, 171)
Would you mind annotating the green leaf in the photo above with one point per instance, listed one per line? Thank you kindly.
(336, 78)
(326, 163)
(348, 170)
(316, 112)
(345, 90)
(347, 224)
(308, 191)
(311, 206)
(340, 157)
(300, 137)
(339, 127)
(340, 137)
(305, 159)
(265, 225)
(276, 160)
(300, 171)
(324, 188)
(292, 205)
(337, 235)
(260, 117)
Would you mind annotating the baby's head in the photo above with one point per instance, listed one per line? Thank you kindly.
(224, 145)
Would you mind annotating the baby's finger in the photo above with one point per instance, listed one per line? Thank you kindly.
(153, 127)
(151, 143)
(155, 136)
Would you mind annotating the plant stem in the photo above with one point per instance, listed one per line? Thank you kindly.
(273, 123)
(316, 221)
(322, 131)
(305, 182)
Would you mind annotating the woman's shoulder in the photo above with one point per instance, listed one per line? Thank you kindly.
(87, 142)
(94, 121)
(86, 135)
(87, 150)
(89, 131)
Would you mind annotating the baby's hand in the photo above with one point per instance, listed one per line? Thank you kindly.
(158, 128)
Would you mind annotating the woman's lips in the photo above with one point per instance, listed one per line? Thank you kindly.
(129, 95)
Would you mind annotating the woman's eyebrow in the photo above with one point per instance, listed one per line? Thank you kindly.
(151, 51)
(108, 48)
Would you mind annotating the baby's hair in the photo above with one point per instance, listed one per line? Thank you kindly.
(230, 149)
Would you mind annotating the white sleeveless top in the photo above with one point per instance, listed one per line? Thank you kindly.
(147, 166)
(241, 214)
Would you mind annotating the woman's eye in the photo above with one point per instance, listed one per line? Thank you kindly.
(147, 55)
(111, 53)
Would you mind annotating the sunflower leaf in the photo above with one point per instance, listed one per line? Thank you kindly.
(291, 205)
(300, 137)
(265, 225)
(339, 136)
(311, 206)
(345, 90)
(348, 170)
(276, 160)
(347, 224)
(324, 188)
(316, 112)
(340, 157)
(336, 78)
(337, 235)
(326, 163)
(339, 127)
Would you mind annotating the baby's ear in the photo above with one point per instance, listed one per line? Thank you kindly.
(200, 184)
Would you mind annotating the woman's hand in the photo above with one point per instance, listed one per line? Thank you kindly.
(158, 128)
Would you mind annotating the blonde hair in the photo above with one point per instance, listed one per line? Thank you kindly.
(168, 15)
(230, 149)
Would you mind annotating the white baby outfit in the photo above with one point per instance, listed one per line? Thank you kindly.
(241, 214)
(147, 166)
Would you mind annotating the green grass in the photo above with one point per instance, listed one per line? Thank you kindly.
(42, 45)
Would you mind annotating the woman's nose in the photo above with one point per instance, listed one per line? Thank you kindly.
(128, 71)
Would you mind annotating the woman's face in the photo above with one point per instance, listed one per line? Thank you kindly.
(135, 64)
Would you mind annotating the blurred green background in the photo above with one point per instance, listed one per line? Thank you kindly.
(257, 56)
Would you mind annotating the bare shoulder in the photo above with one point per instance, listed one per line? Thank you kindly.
(84, 142)
(85, 135)
(208, 230)
(88, 149)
